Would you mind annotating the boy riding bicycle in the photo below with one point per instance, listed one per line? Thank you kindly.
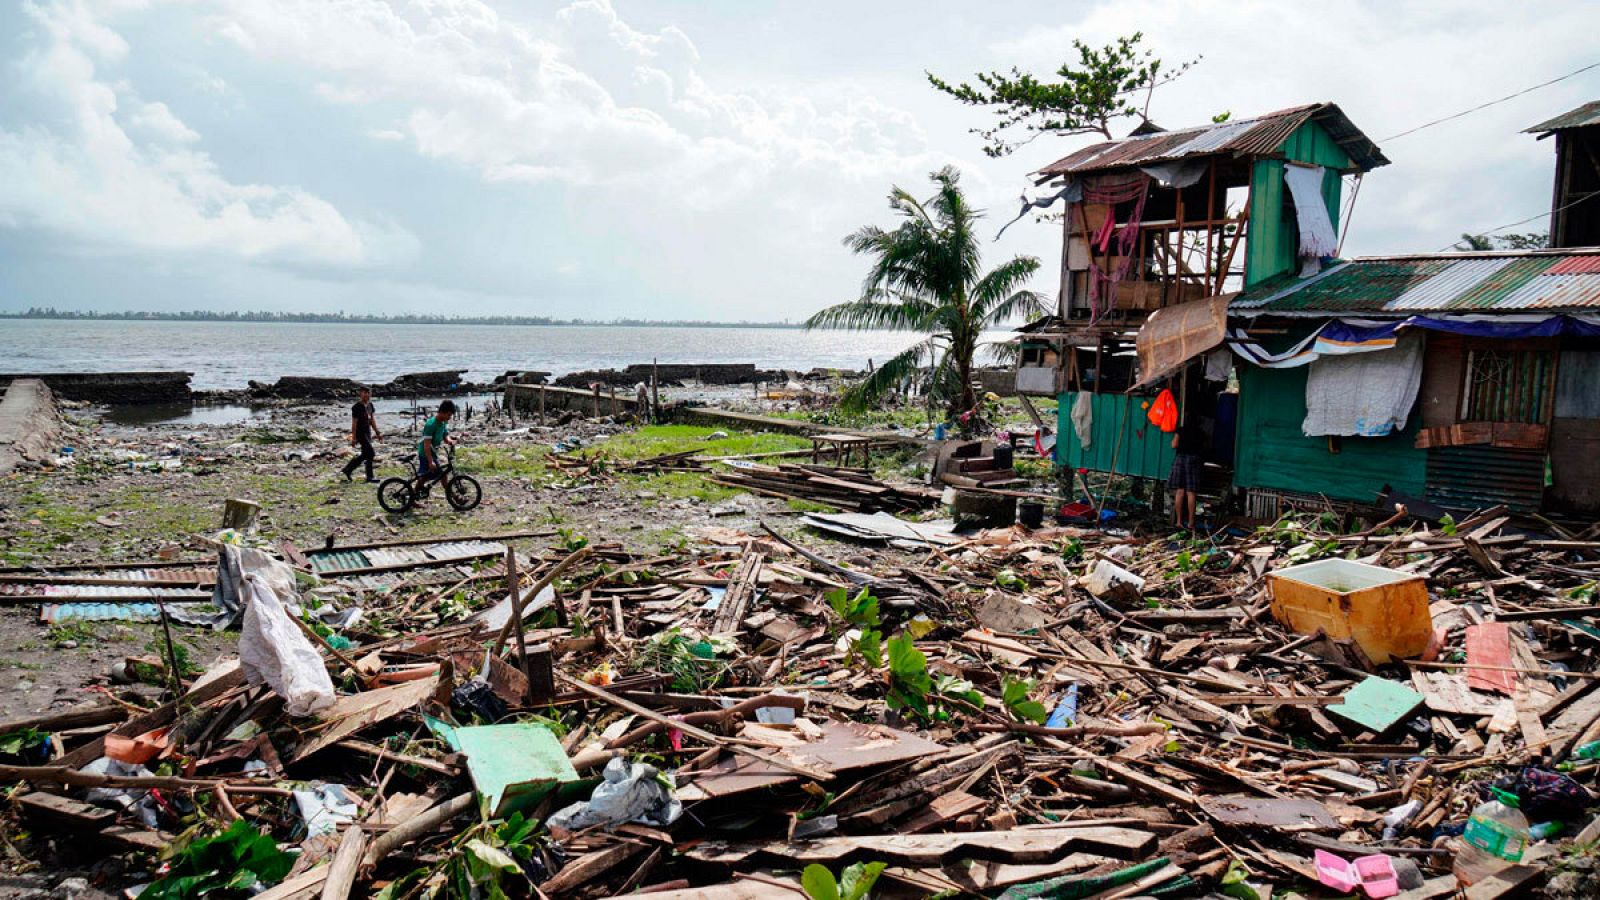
(435, 435)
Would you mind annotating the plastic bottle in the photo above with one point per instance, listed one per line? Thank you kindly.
(1496, 835)
(1590, 750)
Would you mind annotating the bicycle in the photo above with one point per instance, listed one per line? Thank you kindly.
(398, 495)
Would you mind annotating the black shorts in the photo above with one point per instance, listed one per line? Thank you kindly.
(1185, 472)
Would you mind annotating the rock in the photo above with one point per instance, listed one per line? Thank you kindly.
(67, 645)
(72, 888)
(717, 436)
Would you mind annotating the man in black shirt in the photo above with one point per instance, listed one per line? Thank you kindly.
(363, 431)
(1190, 442)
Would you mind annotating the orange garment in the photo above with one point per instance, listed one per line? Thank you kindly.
(1164, 414)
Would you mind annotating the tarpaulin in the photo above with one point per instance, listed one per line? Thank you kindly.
(1338, 337)
(1364, 395)
(1173, 335)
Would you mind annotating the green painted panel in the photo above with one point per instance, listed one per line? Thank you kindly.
(1273, 453)
(1272, 242)
(1145, 451)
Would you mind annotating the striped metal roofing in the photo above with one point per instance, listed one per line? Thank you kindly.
(1258, 136)
(1583, 116)
(1463, 282)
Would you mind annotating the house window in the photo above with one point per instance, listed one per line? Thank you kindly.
(1508, 386)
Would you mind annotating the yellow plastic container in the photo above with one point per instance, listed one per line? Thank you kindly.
(1385, 612)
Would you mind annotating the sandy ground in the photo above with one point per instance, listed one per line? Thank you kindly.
(141, 492)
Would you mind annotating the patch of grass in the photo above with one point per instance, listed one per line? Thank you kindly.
(808, 506)
(684, 485)
(82, 632)
(508, 461)
(660, 440)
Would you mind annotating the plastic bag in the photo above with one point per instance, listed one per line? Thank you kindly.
(631, 792)
(272, 650)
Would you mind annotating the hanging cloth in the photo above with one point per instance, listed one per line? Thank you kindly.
(1316, 227)
(1364, 394)
(1164, 412)
(1083, 418)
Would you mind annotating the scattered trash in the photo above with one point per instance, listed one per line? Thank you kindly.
(631, 792)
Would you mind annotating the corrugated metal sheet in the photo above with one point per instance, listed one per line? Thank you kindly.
(187, 613)
(119, 592)
(1143, 449)
(1261, 135)
(1587, 114)
(1547, 280)
(1480, 476)
(1452, 281)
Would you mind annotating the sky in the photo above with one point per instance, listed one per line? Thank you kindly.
(604, 159)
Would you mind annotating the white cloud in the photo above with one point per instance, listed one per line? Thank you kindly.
(735, 196)
(118, 172)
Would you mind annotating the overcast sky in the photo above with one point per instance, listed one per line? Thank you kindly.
(684, 160)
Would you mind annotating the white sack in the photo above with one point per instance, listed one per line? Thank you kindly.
(1083, 418)
(273, 651)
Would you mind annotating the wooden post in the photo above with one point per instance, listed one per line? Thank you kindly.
(539, 666)
(614, 409)
(514, 584)
(541, 404)
(597, 399)
(655, 391)
(240, 515)
(511, 401)
(1211, 218)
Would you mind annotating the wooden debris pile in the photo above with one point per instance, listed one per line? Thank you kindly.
(1021, 714)
(837, 486)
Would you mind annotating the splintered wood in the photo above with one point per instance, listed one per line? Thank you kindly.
(981, 715)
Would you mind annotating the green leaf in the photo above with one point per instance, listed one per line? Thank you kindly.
(859, 878)
(819, 883)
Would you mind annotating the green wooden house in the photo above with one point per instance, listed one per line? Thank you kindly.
(1159, 220)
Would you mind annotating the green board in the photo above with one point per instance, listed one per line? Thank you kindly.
(1377, 704)
(1275, 454)
(512, 766)
(1146, 450)
(1272, 242)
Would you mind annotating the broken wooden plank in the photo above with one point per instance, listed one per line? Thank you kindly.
(1489, 658)
(1019, 845)
(1279, 814)
(741, 590)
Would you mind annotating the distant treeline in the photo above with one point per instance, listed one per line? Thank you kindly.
(347, 319)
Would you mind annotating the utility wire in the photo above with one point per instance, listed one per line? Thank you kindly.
(1541, 215)
(1595, 65)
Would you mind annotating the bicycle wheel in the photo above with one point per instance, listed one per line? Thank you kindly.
(395, 495)
(463, 492)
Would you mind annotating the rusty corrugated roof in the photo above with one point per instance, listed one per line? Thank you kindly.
(1504, 281)
(1587, 114)
(1245, 137)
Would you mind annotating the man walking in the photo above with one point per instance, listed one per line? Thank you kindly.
(363, 431)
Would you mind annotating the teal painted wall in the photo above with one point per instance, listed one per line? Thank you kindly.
(1271, 241)
(1146, 450)
(1274, 453)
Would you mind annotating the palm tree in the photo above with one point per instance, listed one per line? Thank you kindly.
(927, 277)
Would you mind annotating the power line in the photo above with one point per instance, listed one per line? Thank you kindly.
(1595, 65)
(1540, 215)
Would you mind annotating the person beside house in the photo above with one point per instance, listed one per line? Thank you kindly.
(363, 431)
(1189, 441)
